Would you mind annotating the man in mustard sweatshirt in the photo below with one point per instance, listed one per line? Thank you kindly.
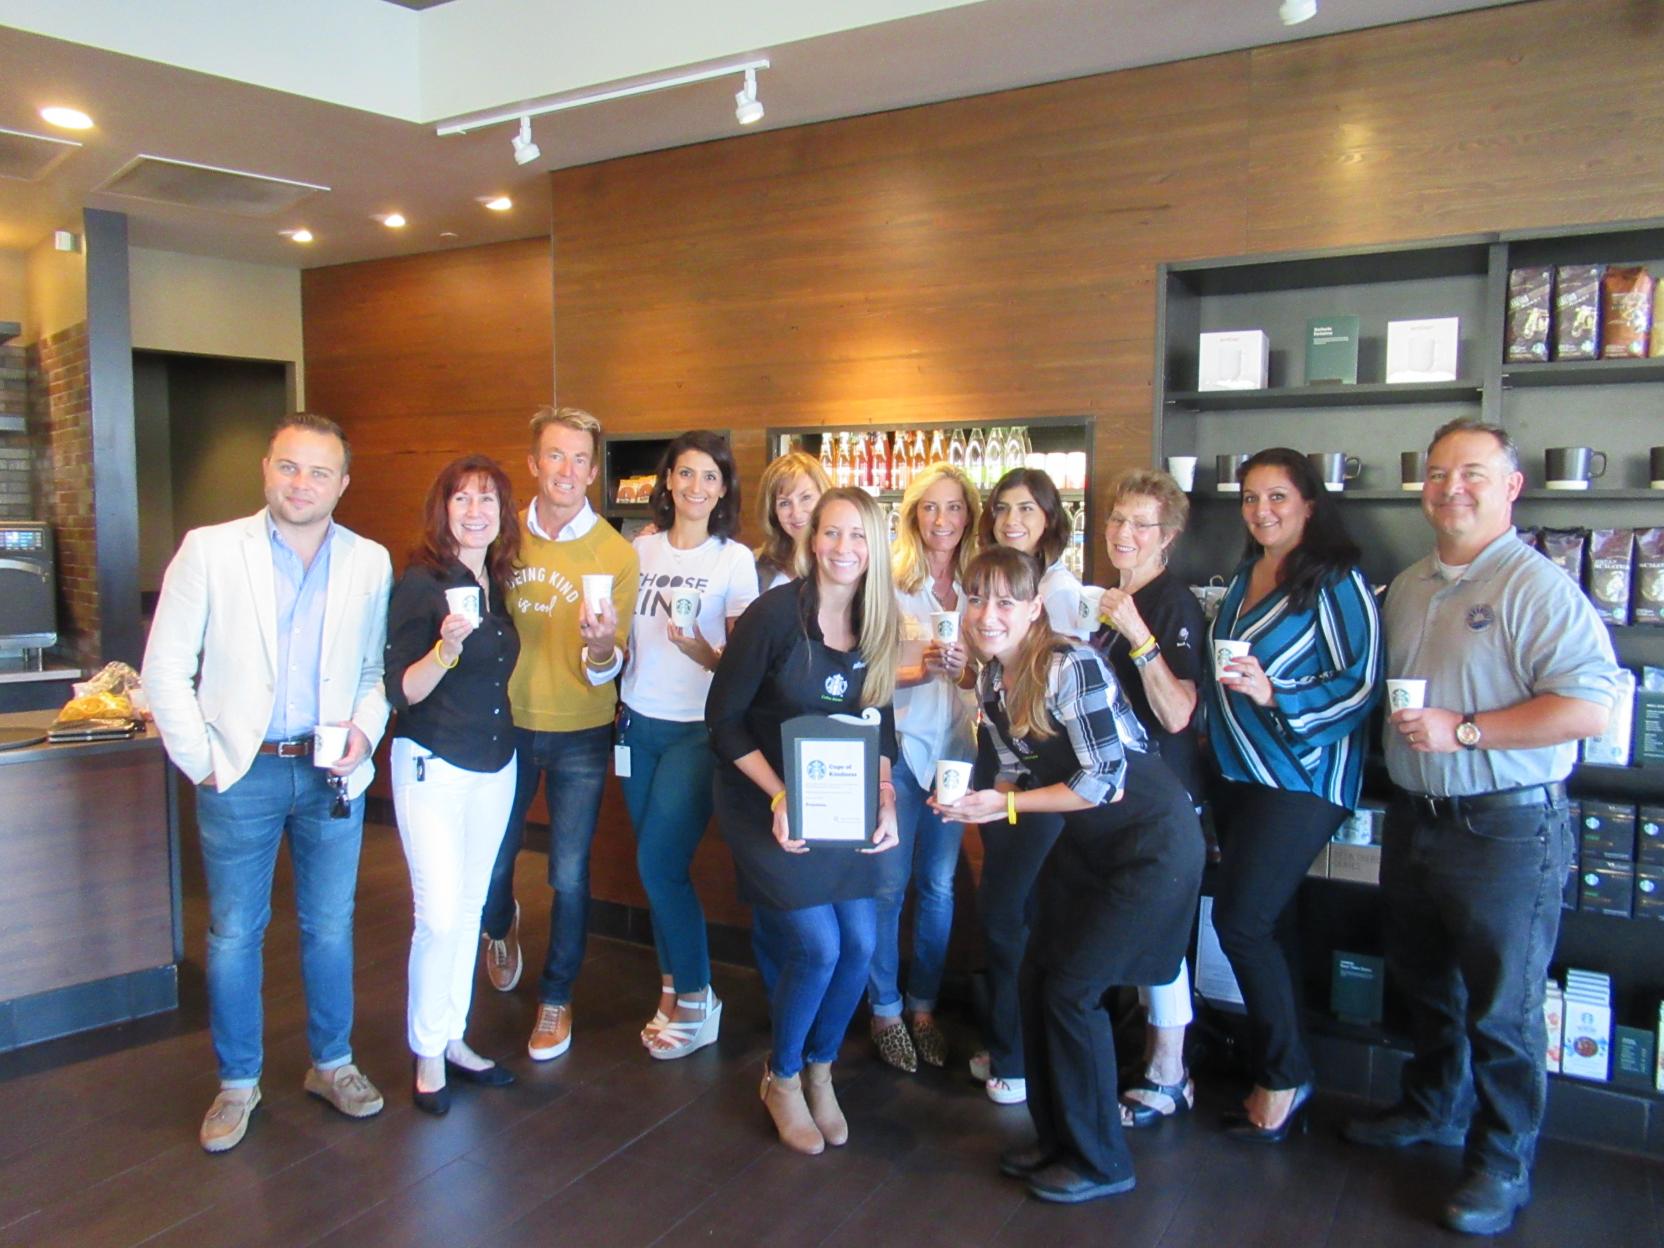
(563, 698)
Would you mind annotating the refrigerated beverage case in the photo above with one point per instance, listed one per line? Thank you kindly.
(843, 465)
(918, 459)
(880, 460)
(901, 470)
(956, 449)
(826, 458)
(993, 458)
(938, 452)
(973, 459)
(1016, 448)
(861, 471)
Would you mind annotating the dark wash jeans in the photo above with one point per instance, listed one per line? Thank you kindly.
(1473, 912)
(574, 768)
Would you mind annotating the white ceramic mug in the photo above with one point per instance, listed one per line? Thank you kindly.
(1405, 694)
(1091, 598)
(597, 589)
(464, 600)
(953, 781)
(329, 744)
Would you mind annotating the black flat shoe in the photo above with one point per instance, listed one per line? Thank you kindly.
(494, 1076)
(1238, 1126)
(1062, 1185)
(436, 1103)
(1025, 1161)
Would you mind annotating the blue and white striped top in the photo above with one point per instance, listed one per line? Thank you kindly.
(1325, 667)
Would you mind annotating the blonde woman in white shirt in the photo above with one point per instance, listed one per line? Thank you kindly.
(692, 553)
(935, 540)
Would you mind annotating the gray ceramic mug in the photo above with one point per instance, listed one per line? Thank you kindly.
(1229, 468)
(1412, 469)
(1335, 468)
(1569, 465)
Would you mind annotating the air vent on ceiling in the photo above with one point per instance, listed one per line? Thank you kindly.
(189, 185)
(29, 157)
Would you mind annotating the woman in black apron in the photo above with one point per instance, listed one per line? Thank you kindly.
(1114, 900)
(822, 645)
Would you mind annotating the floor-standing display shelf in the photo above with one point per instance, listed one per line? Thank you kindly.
(1616, 406)
(1047, 435)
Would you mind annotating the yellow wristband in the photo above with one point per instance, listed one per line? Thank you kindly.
(774, 802)
(1141, 651)
(439, 655)
(1011, 806)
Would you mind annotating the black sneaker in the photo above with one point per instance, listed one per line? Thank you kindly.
(1485, 1204)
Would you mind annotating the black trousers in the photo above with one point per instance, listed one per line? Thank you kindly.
(1011, 862)
(1267, 840)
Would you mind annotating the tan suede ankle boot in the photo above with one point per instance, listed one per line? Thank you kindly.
(823, 1103)
(784, 1100)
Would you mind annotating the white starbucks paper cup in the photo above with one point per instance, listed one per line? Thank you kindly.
(1404, 695)
(1226, 650)
(684, 608)
(329, 743)
(953, 780)
(464, 600)
(597, 589)
(944, 626)
(1091, 596)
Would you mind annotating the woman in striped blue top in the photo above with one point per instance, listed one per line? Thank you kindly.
(1287, 726)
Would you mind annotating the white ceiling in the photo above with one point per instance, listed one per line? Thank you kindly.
(376, 164)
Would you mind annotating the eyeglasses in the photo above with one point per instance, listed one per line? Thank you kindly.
(338, 786)
(1137, 526)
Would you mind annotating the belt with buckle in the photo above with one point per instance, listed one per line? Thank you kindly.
(1435, 808)
(300, 747)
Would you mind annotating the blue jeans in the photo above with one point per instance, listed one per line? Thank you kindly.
(1473, 911)
(668, 792)
(930, 850)
(574, 765)
(824, 952)
(241, 830)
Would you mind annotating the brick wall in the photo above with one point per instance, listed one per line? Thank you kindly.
(16, 489)
(61, 434)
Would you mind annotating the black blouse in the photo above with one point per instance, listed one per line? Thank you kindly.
(1175, 619)
(777, 665)
(466, 719)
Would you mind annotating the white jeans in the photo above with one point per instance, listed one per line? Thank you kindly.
(1169, 1004)
(451, 822)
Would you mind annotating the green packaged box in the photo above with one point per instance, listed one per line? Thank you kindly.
(1332, 351)
(1635, 1057)
(1355, 989)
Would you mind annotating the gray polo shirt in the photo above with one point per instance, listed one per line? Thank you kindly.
(1512, 627)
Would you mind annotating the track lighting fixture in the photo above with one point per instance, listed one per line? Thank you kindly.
(748, 109)
(1293, 12)
(525, 151)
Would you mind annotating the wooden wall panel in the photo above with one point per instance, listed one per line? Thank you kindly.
(989, 258)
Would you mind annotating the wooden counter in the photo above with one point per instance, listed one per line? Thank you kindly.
(90, 924)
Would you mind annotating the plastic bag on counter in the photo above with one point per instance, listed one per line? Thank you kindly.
(105, 707)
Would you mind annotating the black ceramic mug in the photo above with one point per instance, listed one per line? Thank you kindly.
(1656, 476)
(1573, 467)
(1229, 468)
(1412, 469)
(1335, 468)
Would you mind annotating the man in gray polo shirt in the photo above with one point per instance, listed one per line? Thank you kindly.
(1518, 668)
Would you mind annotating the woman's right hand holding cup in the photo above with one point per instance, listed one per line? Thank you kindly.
(453, 631)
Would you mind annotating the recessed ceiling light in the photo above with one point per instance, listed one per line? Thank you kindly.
(68, 118)
(301, 235)
(1293, 12)
(497, 203)
(392, 220)
(449, 234)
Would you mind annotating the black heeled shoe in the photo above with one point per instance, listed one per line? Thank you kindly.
(494, 1076)
(1238, 1126)
(436, 1103)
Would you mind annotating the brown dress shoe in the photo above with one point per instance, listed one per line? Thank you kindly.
(552, 1034)
(503, 963)
(823, 1103)
(784, 1100)
(227, 1119)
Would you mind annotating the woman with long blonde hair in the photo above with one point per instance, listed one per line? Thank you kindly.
(822, 645)
(786, 496)
(935, 711)
(1114, 898)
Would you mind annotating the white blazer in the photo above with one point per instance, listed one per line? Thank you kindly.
(210, 665)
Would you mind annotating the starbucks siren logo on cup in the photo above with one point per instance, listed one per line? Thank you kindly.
(684, 608)
(953, 781)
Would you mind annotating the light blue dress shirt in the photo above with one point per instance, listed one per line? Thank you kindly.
(302, 592)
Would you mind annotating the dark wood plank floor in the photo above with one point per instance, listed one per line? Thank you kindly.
(98, 1139)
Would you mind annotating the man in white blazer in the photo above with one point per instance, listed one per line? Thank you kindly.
(267, 629)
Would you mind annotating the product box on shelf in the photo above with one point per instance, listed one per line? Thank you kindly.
(1649, 727)
(1320, 865)
(1627, 320)
(1607, 887)
(1587, 1047)
(1649, 892)
(1648, 607)
(1649, 835)
(1577, 311)
(1233, 360)
(1634, 1057)
(1554, 1021)
(1611, 565)
(1607, 831)
(1530, 314)
(1360, 864)
(1355, 987)
(1423, 350)
(1332, 350)
(1615, 745)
